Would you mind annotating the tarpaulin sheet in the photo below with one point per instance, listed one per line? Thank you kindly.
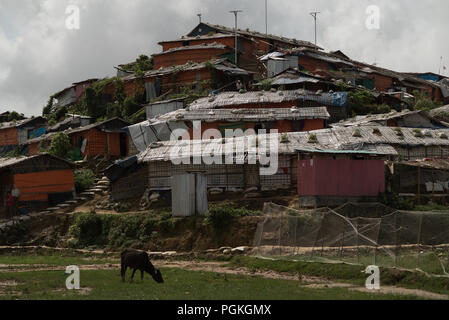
(37, 133)
(339, 99)
(115, 171)
(139, 135)
(162, 131)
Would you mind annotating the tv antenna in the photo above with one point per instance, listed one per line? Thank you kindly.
(236, 12)
(314, 15)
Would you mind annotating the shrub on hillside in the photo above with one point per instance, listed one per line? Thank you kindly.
(60, 146)
(220, 217)
(84, 179)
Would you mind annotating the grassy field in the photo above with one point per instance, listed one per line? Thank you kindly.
(54, 260)
(179, 285)
(22, 277)
(347, 272)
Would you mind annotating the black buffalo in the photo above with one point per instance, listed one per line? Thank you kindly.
(138, 260)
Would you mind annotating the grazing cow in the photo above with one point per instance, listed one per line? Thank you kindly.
(138, 260)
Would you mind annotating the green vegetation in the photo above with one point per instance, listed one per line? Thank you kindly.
(265, 84)
(84, 179)
(424, 102)
(118, 231)
(221, 216)
(209, 65)
(142, 64)
(357, 133)
(345, 272)
(54, 113)
(418, 133)
(55, 259)
(394, 201)
(362, 102)
(431, 207)
(16, 152)
(13, 234)
(179, 285)
(313, 138)
(15, 116)
(60, 146)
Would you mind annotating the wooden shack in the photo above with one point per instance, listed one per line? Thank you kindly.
(41, 180)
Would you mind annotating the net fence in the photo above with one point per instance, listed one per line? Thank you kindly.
(366, 234)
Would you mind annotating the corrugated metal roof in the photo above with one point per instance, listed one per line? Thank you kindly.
(19, 123)
(166, 101)
(364, 67)
(302, 150)
(68, 120)
(252, 97)
(250, 33)
(203, 46)
(224, 64)
(9, 162)
(210, 115)
(98, 124)
(49, 136)
(438, 164)
(371, 119)
(229, 99)
(374, 139)
(212, 36)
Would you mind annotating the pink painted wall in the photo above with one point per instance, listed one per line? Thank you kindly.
(350, 178)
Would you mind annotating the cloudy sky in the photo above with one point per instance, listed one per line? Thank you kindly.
(40, 56)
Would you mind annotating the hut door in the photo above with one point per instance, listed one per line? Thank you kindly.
(123, 145)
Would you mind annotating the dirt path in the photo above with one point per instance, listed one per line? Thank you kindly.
(219, 267)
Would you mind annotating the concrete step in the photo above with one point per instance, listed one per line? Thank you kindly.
(102, 187)
(96, 190)
(88, 195)
(53, 209)
(42, 213)
(71, 202)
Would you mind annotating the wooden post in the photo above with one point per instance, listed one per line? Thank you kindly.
(419, 185)
(357, 234)
(419, 236)
(342, 242)
(322, 247)
(396, 239)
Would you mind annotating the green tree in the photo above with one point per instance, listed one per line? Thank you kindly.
(60, 113)
(142, 64)
(48, 109)
(61, 146)
(14, 116)
(424, 102)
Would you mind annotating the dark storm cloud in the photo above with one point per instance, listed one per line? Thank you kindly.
(39, 56)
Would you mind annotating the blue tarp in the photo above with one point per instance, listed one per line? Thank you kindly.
(339, 99)
(37, 133)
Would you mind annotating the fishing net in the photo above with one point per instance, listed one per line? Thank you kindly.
(366, 234)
